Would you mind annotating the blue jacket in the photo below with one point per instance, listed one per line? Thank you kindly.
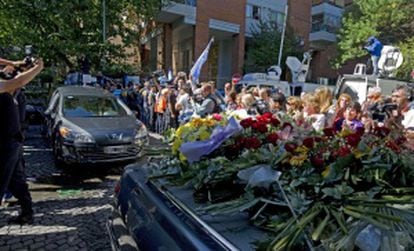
(374, 46)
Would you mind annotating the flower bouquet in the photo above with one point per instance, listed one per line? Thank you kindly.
(327, 190)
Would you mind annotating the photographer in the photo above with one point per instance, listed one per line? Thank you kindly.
(12, 175)
(374, 47)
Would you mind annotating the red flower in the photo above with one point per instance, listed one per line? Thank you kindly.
(393, 146)
(343, 151)
(265, 118)
(232, 151)
(240, 142)
(317, 160)
(260, 127)
(252, 143)
(267, 115)
(309, 142)
(246, 123)
(329, 132)
(290, 147)
(401, 140)
(272, 138)
(353, 139)
(274, 121)
(360, 131)
(381, 131)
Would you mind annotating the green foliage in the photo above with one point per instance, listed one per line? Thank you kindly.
(63, 31)
(263, 48)
(390, 20)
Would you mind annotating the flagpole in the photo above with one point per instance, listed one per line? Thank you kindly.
(282, 40)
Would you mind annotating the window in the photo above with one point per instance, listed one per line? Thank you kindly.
(256, 12)
(92, 106)
(253, 11)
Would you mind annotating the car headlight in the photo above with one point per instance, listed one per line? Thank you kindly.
(75, 136)
(141, 132)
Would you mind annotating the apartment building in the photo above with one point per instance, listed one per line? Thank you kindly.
(326, 21)
(185, 27)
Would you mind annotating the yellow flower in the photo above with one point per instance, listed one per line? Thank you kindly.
(358, 154)
(345, 132)
(183, 159)
(298, 160)
(204, 133)
(196, 122)
(176, 145)
(302, 149)
(326, 172)
(209, 122)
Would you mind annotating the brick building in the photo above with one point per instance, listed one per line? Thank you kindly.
(185, 27)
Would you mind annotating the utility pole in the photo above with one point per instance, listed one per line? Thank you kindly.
(282, 40)
(103, 21)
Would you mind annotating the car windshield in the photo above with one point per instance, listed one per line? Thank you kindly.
(92, 106)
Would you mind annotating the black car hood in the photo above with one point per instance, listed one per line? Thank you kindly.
(91, 124)
(108, 130)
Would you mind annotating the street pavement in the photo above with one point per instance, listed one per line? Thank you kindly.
(71, 207)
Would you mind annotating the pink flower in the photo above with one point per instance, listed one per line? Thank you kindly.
(217, 116)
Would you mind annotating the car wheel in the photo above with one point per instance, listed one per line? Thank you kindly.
(57, 153)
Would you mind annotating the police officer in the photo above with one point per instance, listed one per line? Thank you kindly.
(12, 175)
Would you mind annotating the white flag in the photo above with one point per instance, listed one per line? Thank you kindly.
(195, 71)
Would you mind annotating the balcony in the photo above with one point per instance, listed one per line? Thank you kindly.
(178, 10)
(338, 3)
(326, 21)
(322, 35)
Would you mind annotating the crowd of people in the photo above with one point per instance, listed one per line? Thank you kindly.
(167, 106)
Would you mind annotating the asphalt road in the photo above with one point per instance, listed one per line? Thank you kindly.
(71, 207)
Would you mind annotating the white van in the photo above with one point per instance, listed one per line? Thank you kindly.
(251, 80)
(357, 86)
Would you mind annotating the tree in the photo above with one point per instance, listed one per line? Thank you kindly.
(389, 20)
(63, 31)
(263, 50)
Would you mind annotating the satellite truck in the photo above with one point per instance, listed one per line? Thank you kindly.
(355, 84)
(298, 69)
(358, 83)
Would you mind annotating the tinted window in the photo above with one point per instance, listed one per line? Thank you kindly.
(92, 106)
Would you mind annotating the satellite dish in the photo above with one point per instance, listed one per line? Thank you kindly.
(391, 59)
(294, 64)
(298, 69)
(274, 72)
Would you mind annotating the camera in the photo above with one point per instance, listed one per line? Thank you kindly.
(28, 63)
(381, 111)
(28, 60)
